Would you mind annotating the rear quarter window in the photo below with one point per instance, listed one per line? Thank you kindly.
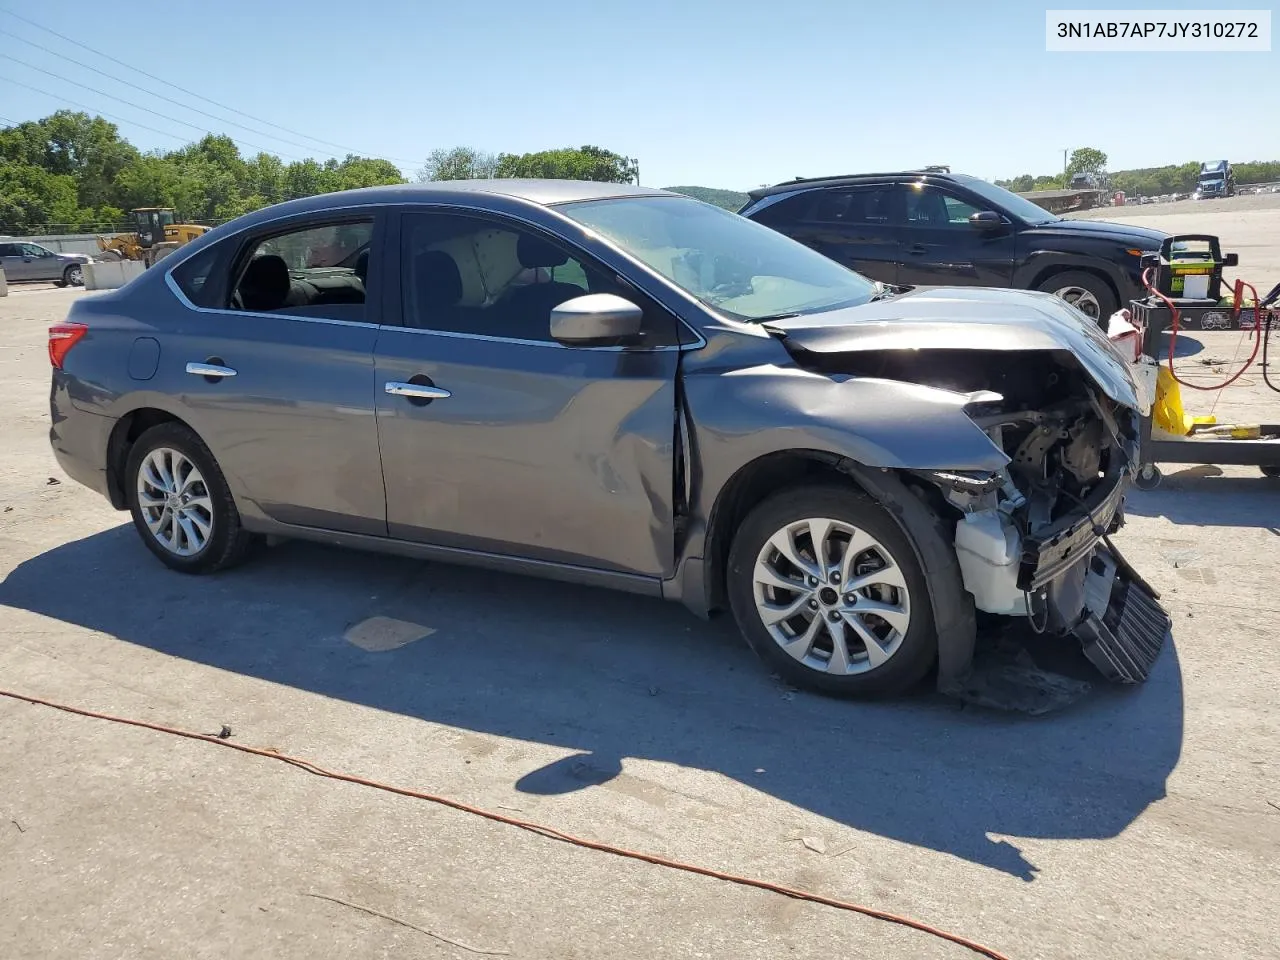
(193, 277)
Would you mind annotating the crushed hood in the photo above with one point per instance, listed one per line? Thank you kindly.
(965, 318)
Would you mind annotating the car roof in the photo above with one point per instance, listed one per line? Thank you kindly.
(802, 183)
(543, 192)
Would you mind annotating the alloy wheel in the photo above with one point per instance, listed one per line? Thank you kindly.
(831, 596)
(1082, 299)
(75, 276)
(175, 502)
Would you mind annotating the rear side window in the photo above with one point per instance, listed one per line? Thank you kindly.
(318, 271)
(192, 277)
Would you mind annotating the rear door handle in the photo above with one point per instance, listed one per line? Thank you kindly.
(217, 371)
(917, 249)
(417, 391)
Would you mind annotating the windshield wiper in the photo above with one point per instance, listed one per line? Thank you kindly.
(775, 316)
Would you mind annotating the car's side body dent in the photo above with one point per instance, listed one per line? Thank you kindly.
(744, 400)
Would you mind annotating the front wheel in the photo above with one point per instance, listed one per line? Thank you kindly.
(180, 502)
(73, 276)
(1086, 292)
(826, 587)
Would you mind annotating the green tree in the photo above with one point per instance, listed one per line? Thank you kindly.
(1086, 160)
(33, 200)
(583, 163)
(355, 172)
(458, 163)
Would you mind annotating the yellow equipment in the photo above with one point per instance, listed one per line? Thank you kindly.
(1167, 412)
(157, 236)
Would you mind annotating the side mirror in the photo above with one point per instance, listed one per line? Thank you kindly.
(1231, 259)
(986, 220)
(594, 319)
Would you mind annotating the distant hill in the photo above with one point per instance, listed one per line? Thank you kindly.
(729, 199)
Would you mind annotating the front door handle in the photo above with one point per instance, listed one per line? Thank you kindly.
(213, 370)
(417, 391)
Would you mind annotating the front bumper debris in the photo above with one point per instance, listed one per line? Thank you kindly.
(1047, 555)
(1124, 627)
(1121, 630)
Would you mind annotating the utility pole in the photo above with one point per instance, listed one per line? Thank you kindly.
(1064, 160)
(636, 161)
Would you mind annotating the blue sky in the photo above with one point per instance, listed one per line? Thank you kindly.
(718, 94)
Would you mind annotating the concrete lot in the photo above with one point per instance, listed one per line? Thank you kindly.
(1248, 225)
(1139, 823)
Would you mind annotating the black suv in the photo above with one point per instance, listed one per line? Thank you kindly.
(932, 229)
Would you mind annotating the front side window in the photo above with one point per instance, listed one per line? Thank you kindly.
(35, 250)
(1005, 201)
(734, 265)
(472, 275)
(927, 206)
(319, 271)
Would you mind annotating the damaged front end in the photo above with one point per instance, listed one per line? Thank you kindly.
(1032, 539)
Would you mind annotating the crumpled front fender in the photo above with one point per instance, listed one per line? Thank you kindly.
(744, 414)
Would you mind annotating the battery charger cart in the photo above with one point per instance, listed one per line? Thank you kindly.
(1184, 283)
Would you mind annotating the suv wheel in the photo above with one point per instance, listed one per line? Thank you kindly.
(826, 587)
(181, 504)
(1083, 290)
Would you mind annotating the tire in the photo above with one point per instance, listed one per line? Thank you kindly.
(73, 276)
(1148, 477)
(210, 516)
(1271, 472)
(1090, 293)
(813, 658)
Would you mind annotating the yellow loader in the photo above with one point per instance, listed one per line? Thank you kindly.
(157, 236)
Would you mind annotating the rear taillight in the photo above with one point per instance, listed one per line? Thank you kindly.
(62, 337)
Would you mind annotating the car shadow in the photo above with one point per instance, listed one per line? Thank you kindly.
(1187, 345)
(611, 676)
(1203, 494)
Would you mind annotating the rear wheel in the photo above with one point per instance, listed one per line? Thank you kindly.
(826, 588)
(180, 502)
(1085, 291)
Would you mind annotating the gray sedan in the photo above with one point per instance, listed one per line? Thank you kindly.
(623, 387)
(23, 260)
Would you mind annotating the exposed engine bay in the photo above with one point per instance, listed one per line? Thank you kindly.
(1032, 539)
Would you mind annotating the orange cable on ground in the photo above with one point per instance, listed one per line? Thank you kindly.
(549, 832)
(1175, 315)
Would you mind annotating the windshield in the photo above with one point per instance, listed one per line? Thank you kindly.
(1020, 207)
(728, 262)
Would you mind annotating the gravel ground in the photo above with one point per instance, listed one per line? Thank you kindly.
(1139, 823)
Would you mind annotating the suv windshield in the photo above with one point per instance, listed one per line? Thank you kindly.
(728, 262)
(1010, 202)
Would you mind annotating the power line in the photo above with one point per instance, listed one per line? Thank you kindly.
(192, 93)
(138, 106)
(103, 113)
(147, 90)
